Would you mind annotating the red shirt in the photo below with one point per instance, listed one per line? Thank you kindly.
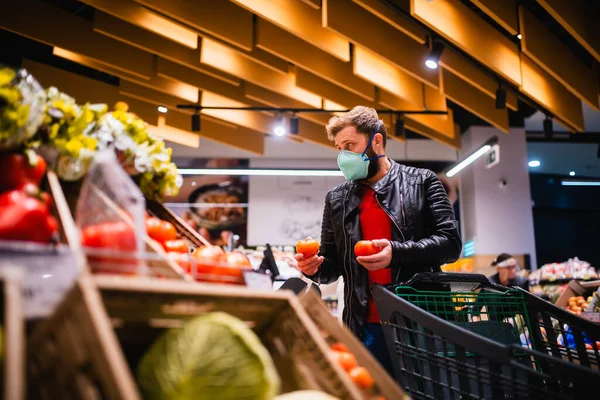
(375, 224)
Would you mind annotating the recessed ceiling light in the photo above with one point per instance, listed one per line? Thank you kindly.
(572, 173)
(534, 163)
(519, 36)
(162, 109)
(431, 64)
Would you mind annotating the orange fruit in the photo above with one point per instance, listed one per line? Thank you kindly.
(345, 360)
(341, 347)
(361, 378)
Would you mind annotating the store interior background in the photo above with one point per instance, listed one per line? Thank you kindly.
(532, 214)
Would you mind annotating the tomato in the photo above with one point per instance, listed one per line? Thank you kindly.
(182, 259)
(161, 231)
(24, 215)
(588, 346)
(118, 236)
(18, 171)
(361, 378)
(345, 360)
(210, 253)
(177, 246)
(341, 347)
(238, 260)
(365, 248)
(307, 248)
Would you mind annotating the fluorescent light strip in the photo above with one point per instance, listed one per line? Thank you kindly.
(259, 172)
(580, 183)
(468, 160)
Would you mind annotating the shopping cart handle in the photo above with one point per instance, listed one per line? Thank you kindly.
(449, 277)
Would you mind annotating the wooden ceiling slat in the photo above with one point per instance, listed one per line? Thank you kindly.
(301, 20)
(394, 18)
(553, 96)
(241, 138)
(344, 16)
(475, 76)
(317, 84)
(434, 100)
(316, 4)
(283, 44)
(174, 135)
(227, 59)
(221, 19)
(89, 62)
(579, 20)
(146, 19)
(386, 75)
(151, 96)
(314, 133)
(42, 22)
(503, 12)
(557, 59)
(474, 100)
(145, 40)
(425, 130)
(466, 30)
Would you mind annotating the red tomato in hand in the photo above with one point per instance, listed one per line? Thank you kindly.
(307, 248)
(161, 231)
(17, 171)
(176, 246)
(365, 248)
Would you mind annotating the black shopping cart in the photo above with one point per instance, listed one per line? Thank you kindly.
(470, 339)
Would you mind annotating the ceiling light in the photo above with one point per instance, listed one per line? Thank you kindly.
(279, 129)
(259, 172)
(500, 97)
(548, 129)
(519, 36)
(294, 125)
(572, 173)
(162, 109)
(399, 127)
(534, 163)
(433, 59)
(580, 183)
(196, 122)
(461, 165)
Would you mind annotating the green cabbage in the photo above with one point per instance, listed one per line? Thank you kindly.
(212, 357)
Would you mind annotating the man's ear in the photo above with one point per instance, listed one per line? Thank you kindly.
(378, 139)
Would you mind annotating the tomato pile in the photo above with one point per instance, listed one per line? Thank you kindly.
(24, 209)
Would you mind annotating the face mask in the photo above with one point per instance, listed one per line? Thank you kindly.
(355, 166)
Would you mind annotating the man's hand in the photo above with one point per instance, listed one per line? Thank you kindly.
(310, 266)
(379, 260)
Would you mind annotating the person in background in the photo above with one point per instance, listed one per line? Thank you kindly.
(405, 211)
(507, 272)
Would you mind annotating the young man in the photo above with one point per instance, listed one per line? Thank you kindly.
(506, 272)
(404, 210)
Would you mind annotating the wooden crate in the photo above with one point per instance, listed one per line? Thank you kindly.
(86, 350)
(13, 325)
(385, 385)
(183, 229)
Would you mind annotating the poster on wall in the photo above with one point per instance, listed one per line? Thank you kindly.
(216, 206)
(286, 209)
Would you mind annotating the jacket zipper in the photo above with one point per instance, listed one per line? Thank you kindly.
(347, 309)
(394, 221)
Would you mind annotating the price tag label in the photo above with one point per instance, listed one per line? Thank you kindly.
(258, 281)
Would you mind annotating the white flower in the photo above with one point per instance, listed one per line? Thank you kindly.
(125, 142)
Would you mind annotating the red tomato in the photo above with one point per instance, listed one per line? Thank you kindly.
(118, 236)
(365, 248)
(361, 378)
(341, 347)
(210, 253)
(160, 230)
(307, 248)
(17, 171)
(588, 346)
(345, 360)
(177, 246)
(238, 260)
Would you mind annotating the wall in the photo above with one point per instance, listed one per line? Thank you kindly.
(498, 218)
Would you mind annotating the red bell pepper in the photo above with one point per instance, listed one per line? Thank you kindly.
(25, 215)
(17, 170)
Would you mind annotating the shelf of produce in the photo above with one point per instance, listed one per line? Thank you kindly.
(384, 384)
(13, 338)
(89, 348)
(183, 230)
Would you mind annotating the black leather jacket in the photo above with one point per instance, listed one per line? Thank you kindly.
(424, 235)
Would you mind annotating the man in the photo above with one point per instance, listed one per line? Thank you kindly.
(405, 211)
(506, 272)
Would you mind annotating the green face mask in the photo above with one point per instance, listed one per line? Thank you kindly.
(355, 166)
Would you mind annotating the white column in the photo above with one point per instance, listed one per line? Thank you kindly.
(497, 216)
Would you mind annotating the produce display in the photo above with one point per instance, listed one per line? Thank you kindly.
(214, 356)
(578, 304)
(359, 375)
(548, 291)
(571, 269)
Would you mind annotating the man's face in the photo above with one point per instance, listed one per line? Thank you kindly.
(351, 140)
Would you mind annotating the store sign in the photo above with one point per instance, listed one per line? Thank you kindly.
(492, 157)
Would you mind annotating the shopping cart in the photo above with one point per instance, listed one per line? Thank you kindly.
(450, 355)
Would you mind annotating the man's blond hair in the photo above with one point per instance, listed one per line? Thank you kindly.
(363, 119)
